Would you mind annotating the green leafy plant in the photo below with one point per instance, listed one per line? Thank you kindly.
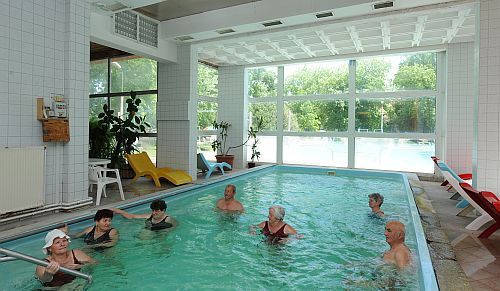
(126, 129)
(255, 152)
(220, 145)
(101, 141)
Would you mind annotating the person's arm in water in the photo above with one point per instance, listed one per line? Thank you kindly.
(83, 257)
(252, 228)
(83, 232)
(130, 215)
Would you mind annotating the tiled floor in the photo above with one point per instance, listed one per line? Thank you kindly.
(479, 258)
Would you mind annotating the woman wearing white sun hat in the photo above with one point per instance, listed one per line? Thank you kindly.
(56, 246)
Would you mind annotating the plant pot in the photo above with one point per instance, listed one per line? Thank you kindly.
(126, 172)
(225, 158)
(251, 165)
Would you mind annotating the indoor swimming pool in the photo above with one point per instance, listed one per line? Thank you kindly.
(341, 246)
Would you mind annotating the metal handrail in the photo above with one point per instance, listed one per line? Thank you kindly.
(12, 255)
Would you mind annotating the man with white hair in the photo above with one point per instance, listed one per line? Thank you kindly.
(399, 253)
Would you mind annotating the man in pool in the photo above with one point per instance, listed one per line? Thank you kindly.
(229, 203)
(101, 235)
(156, 220)
(399, 253)
(375, 200)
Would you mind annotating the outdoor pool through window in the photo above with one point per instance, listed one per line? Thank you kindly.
(341, 247)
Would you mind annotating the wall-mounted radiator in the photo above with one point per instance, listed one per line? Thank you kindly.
(21, 178)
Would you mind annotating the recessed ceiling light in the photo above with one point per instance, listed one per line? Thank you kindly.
(383, 5)
(272, 23)
(184, 37)
(224, 31)
(324, 14)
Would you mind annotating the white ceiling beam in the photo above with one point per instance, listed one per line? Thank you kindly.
(386, 34)
(419, 30)
(278, 49)
(326, 41)
(355, 38)
(254, 50)
(234, 53)
(300, 44)
(456, 24)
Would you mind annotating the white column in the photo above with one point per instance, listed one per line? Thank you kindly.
(176, 112)
(486, 156)
(233, 108)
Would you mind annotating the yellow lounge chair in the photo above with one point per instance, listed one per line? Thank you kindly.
(142, 166)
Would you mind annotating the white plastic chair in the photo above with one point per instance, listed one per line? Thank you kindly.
(97, 175)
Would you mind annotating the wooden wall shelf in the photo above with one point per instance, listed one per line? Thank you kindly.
(55, 129)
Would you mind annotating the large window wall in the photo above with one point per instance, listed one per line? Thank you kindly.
(372, 113)
(207, 109)
(111, 81)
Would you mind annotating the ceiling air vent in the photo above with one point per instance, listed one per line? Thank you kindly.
(224, 31)
(272, 23)
(383, 5)
(184, 38)
(324, 14)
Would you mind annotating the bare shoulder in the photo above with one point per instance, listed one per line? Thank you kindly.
(289, 229)
(262, 224)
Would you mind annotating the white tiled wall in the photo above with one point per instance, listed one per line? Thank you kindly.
(488, 158)
(233, 109)
(176, 112)
(44, 49)
(460, 101)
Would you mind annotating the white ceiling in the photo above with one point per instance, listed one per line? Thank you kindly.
(369, 34)
(355, 27)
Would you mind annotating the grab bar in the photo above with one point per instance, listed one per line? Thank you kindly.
(12, 255)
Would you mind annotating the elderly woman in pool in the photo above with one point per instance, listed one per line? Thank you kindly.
(274, 228)
(56, 246)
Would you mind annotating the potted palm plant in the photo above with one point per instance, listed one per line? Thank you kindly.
(220, 145)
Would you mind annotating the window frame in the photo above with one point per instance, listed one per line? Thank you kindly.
(351, 96)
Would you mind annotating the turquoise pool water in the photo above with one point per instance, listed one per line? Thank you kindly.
(340, 249)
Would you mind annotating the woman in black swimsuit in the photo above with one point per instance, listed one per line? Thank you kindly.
(101, 234)
(156, 220)
(56, 246)
(274, 228)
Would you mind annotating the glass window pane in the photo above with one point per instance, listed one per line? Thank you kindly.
(98, 76)
(133, 74)
(266, 111)
(207, 114)
(262, 82)
(321, 151)
(147, 109)
(396, 115)
(393, 73)
(313, 115)
(95, 106)
(411, 155)
(204, 145)
(317, 78)
(147, 144)
(267, 148)
(208, 81)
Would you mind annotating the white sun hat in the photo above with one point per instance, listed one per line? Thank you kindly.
(51, 235)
